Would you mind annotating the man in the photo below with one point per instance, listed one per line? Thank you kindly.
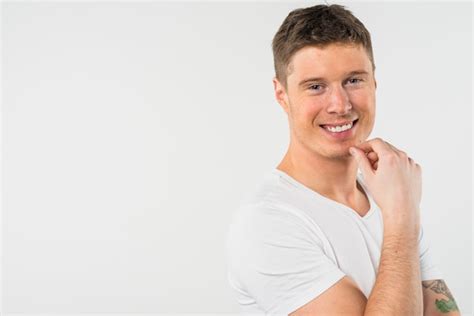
(317, 237)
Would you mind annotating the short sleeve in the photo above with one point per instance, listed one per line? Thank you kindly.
(282, 262)
(429, 269)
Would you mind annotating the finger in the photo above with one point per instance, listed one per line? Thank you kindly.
(391, 146)
(373, 157)
(376, 145)
(397, 150)
(362, 161)
(401, 152)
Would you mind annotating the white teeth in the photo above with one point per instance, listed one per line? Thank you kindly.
(339, 129)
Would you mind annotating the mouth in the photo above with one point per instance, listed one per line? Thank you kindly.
(341, 131)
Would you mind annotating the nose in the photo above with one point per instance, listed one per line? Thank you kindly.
(339, 101)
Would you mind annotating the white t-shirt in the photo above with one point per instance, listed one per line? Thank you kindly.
(287, 244)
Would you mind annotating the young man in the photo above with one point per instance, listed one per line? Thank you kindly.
(318, 237)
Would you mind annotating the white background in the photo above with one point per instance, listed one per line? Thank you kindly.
(131, 131)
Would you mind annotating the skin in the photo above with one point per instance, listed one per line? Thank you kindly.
(442, 301)
(323, 164)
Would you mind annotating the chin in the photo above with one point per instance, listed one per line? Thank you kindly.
(341, 153)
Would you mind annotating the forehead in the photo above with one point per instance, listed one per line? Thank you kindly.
(330, 61)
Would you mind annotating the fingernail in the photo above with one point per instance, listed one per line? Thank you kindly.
(352, 151)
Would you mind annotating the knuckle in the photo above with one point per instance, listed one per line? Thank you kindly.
(388, 144)
(391, 156)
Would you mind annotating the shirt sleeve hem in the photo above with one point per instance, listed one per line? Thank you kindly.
(310, 294)
(431, 274)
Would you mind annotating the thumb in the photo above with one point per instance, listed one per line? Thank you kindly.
(362, 161)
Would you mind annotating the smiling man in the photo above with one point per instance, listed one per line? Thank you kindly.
(317, 237)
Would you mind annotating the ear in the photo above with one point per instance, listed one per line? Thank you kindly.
(280, 94)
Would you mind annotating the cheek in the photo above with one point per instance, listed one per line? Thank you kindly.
(363, 101)
(307, 111)
(361, 96)
(313, 115)
(312, 106)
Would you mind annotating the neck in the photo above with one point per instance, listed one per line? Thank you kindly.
(334, 178)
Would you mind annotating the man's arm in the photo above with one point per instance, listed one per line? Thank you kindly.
(438, 300)
(397, 289)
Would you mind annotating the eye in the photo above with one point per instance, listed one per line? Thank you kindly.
(315, 87)
(354, 80)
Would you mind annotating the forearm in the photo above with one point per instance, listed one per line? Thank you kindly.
(397, 289)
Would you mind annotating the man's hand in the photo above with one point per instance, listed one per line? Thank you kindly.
(394, 180)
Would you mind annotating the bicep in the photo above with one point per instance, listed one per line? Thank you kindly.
(437, 299)
(342, 298)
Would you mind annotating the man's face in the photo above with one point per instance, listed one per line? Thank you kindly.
(343, 90)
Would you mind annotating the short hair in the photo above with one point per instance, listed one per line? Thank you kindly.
(319, 26)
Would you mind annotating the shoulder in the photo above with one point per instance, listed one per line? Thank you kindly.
(263, 230)
(268, 216)
(272, 189)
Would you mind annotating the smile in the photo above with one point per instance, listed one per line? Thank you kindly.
(343, 130)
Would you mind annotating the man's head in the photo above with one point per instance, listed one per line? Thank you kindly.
(331, 49)
(319, 25)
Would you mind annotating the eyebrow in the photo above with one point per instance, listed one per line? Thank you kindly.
(352, 73)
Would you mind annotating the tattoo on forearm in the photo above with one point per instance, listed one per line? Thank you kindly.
(443, 305)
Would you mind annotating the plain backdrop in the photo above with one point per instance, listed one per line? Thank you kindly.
(131, 132)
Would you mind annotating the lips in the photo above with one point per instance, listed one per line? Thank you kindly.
(340, 136)
(339, 124)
